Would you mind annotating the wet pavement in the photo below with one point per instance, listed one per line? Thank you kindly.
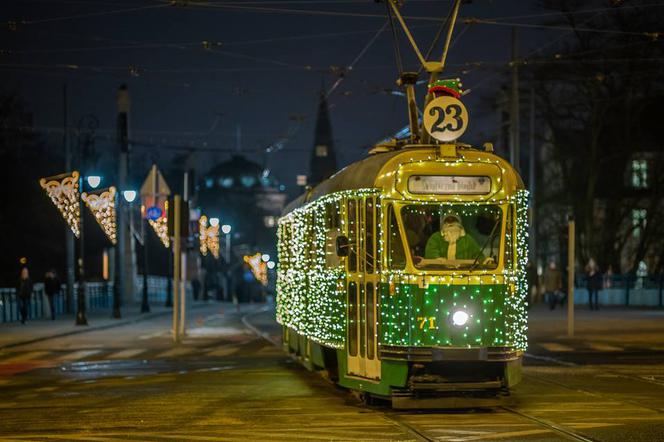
(226, 382)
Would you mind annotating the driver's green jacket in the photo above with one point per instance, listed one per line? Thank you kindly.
(466, 248)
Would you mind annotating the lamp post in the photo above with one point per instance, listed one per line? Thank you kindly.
(226, 230)
(87, 126)
(145, 303)
(81, 318)
(130, 196)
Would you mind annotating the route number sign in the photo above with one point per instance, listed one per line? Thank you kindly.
(445, 118)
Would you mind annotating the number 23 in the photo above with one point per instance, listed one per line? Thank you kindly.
(454, 111)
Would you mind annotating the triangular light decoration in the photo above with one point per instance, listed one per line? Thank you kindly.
(102, 206)
(65, 193)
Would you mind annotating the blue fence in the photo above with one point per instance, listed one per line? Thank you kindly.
(98, 296)
(625, 290)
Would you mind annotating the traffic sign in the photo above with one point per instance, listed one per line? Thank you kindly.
(153, 213)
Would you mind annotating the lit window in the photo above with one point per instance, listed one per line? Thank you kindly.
(639, 220)
(226, 182)
(321, 150)
(301, 180)
(640, 174)
(270, 221)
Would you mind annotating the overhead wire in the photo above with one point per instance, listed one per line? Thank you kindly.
(82, 15)
(395, 39)
(351, 66)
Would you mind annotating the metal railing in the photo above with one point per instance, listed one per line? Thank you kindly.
(98, 296)
(627, 290)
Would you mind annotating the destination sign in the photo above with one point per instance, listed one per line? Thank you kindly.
(449, 185)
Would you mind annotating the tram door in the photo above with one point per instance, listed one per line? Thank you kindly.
(362, 281)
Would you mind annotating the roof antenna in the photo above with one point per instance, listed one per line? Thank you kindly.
(409, 79)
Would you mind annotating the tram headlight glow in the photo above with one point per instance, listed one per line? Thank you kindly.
(459, 318)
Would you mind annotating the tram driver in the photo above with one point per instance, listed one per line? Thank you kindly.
(451, 242)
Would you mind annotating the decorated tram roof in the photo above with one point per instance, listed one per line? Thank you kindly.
(382, 171)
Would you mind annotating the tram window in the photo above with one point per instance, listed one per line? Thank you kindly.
(352, 235)
(453, 236)
(509, 239)
(332, 220)
(352, 319)
(371, 320)
(397, 256)
(313, 253)
(369, 234)
(363, 322)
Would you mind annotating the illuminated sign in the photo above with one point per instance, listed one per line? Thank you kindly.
(449, 185)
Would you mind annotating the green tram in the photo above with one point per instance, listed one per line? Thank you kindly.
(403, 276)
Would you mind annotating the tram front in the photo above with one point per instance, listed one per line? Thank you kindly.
(453, 292)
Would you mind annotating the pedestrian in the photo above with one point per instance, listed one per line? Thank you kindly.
(23, 293)
(608, 278)
(195, 287)
(553, 284)
(52, 289)
(593, 283)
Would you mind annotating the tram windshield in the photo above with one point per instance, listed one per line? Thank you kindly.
(447, 236)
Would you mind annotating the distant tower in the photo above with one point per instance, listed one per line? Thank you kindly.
(323, 159)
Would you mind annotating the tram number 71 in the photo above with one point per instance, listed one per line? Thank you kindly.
(423, 320)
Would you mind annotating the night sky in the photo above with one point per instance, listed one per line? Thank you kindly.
(263, 66)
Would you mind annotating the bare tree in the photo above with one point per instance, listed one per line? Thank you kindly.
(598, 95)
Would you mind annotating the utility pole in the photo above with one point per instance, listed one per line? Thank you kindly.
(514, 104)
(81, 318)
(123, 145)
(177, 256)
(570, 276)
(69, 238)
(532, 178)
(183, 262)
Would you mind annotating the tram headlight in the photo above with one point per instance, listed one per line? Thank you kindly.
(459, 318)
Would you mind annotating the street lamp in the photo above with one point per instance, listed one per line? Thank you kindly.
(214, 222)
(93, 181)
(265, 257)
(129, 195)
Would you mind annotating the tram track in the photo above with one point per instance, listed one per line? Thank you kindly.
(613, 373)
(558, 429)
(418, 434)
(594, 393)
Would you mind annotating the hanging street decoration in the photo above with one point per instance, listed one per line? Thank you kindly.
(154, 203)
(64, 191)
(208, 237)
(102, 206)
(258, 267)
(213, 240)
(202, 235)
(160, 227)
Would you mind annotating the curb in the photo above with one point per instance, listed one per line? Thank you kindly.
(91, 329)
